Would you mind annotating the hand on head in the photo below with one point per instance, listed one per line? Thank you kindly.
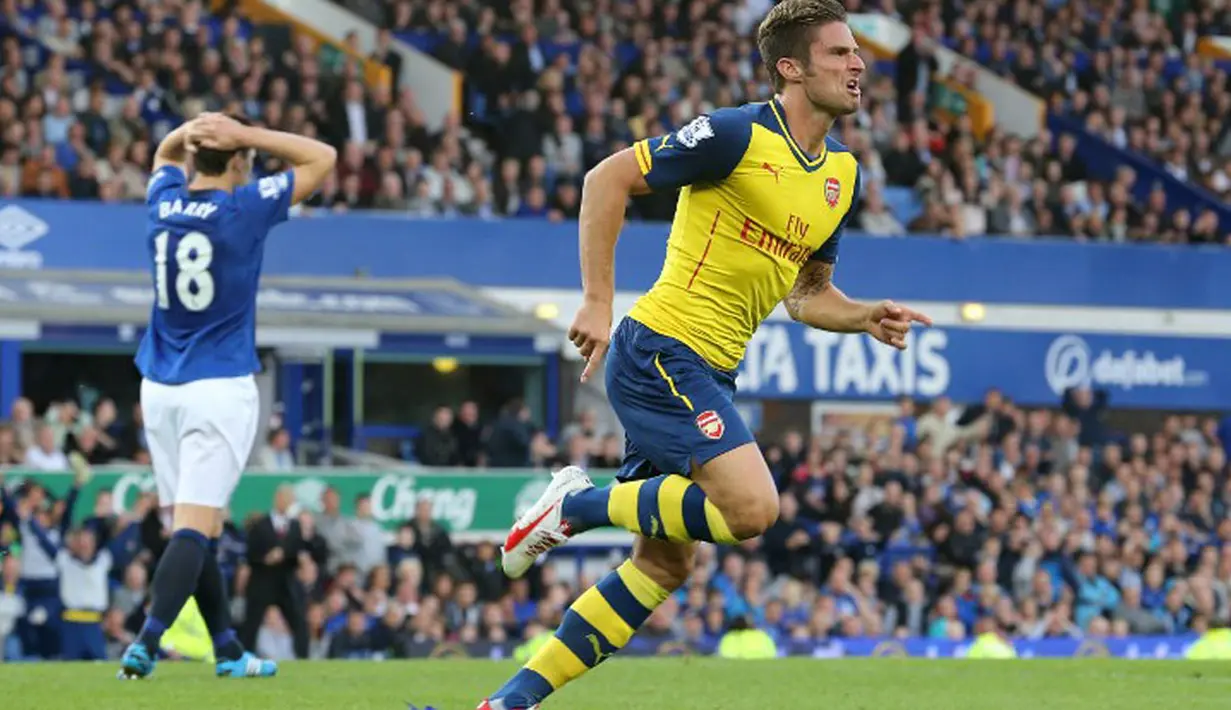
(215, 131)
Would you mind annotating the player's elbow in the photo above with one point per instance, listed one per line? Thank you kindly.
(596, 179)
(310, 176)
(328, 158)
(794, 307)
(331, 155)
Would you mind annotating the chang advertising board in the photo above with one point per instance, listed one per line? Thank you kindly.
(481, 503)
(791, 361)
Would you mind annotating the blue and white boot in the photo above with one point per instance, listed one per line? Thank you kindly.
(136, 663)
(246, 666)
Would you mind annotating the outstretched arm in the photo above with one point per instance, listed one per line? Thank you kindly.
(70, 508)
(815, 301)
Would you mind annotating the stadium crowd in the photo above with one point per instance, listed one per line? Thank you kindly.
(941, 522)
(101, 436)
(1130, 73)
(938, 522)
(88, 88)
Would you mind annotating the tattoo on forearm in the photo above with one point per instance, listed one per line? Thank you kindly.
(814, 278)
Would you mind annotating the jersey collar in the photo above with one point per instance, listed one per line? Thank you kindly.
(807, 161)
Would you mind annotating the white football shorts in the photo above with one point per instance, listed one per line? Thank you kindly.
(200, 436)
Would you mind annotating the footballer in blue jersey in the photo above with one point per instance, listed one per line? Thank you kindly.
(206, 248)
(207, 225)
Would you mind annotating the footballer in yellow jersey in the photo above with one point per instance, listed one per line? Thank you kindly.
(764, 196)
(754, 209)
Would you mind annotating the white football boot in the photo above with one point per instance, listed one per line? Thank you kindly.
(499, 705)
(542, 527)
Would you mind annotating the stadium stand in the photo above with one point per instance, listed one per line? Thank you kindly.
(936, 523)
(548, 94)
(1139, 79)
(926, 524)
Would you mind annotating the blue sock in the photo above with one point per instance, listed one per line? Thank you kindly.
(174, 581)
(227, 646)
(215, 606)
(587, 509)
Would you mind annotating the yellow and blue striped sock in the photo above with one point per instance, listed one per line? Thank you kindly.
(595, 627)
(669, 507)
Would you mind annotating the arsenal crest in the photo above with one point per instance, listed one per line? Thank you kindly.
(711, 424)
(833, 190)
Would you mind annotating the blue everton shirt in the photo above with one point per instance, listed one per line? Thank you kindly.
(206, 248)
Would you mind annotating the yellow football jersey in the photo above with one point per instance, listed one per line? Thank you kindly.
(753, 209)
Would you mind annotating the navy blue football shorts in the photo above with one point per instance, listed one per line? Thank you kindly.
(675, 407)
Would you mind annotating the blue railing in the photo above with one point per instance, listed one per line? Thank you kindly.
(1103, 159)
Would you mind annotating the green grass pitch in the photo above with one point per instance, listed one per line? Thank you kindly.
(644, 684)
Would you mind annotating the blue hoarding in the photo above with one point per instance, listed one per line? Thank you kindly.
(538, 254)
(788, 360)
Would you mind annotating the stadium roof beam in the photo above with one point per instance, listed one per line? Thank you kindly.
(330, 307)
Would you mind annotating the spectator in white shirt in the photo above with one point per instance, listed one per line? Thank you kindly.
(274, 640)
(44, 456)
(62, 37)
(563, 148)
(276, 455)
(133, 592)
(64, 418)
(939, 426)
(437, 174)
(369, 538)
(356, 111)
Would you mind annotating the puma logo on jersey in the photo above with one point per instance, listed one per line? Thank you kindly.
(775, 171)
(200, 210)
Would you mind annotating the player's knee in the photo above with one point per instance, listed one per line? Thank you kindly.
(670, 570)
(741, 486)
(752, 516)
